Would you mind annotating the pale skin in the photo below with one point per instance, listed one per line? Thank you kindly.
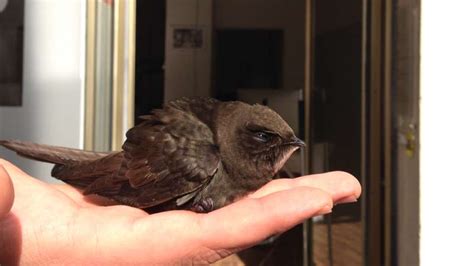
(55, 224)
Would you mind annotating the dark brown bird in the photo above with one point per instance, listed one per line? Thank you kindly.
(198, 154)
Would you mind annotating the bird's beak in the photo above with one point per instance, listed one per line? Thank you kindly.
(296, 142)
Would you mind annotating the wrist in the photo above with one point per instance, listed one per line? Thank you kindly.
(10, 240)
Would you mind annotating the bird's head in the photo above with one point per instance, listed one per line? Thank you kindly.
(262, 139)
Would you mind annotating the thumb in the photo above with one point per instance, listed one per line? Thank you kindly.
(6, 192)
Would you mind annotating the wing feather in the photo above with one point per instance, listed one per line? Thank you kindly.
(172, 153)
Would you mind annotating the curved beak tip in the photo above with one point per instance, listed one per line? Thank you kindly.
(297, 142)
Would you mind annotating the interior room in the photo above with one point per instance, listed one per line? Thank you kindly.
(347, 76)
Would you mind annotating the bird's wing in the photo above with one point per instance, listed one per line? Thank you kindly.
(172, 153)
(201, 107)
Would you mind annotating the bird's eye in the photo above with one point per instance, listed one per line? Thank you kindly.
(262, 136)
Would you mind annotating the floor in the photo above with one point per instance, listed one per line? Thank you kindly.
(347, 246)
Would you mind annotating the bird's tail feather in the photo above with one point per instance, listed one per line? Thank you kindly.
(50, 154)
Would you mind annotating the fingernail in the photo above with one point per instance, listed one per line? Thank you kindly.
(350, 199)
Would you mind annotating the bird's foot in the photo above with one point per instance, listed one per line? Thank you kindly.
(204, 206)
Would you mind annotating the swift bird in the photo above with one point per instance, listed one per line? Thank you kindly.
(198, 154)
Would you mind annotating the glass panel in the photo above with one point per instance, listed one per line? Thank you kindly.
(338, 237)
(257, 51)
(259, 57)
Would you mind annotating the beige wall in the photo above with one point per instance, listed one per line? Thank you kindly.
(275, 14)
(188, 70)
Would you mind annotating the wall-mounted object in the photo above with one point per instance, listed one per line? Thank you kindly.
(187, 38)
(11, 52)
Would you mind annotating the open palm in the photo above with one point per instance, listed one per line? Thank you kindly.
(57, 224)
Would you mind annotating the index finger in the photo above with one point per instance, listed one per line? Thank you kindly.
(251, 220)
(342, 186)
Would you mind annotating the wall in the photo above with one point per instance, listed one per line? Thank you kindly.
(52, 81)
(188, 70)
(336, 15)
(274, 14)
(446, 133)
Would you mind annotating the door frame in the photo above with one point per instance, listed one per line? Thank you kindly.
(121, 95)
(378, 197)
(378, 138)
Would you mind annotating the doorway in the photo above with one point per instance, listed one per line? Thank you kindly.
(332, 57)
(150, 56)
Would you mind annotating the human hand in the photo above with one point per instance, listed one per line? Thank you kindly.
(56, 224)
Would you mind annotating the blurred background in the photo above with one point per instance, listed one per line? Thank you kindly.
(347, 75)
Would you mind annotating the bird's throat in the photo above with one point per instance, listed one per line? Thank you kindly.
(282, 160)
